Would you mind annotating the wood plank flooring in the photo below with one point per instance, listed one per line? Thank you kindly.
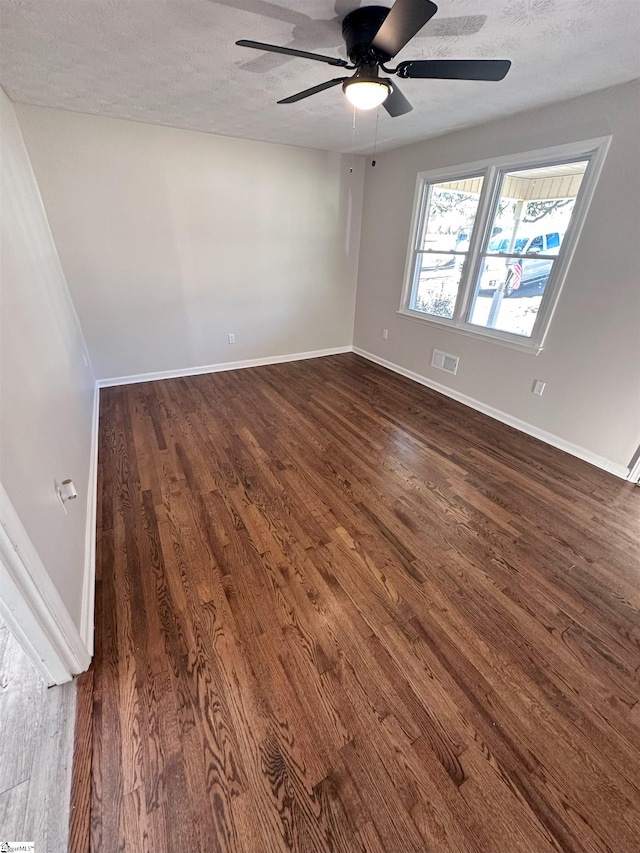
(339, 612)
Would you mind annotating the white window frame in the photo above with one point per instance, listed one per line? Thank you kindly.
(593, 150)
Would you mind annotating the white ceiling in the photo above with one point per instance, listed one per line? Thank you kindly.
(175, 62)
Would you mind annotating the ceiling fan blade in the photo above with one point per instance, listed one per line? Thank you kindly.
(396, 104)
(313, 91)
(290, 51)
(455, 69)
(404, 20)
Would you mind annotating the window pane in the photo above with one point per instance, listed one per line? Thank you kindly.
(436, 283)
(449, 215)
(510, 293)
(534, 209)
(530, 221)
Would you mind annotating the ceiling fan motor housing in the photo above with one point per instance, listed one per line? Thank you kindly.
(359, 28)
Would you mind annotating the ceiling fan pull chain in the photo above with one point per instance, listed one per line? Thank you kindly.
(375, 138)
(353, 139)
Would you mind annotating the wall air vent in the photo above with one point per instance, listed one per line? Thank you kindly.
(444, 361)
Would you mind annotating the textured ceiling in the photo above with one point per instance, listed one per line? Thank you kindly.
(175, 62)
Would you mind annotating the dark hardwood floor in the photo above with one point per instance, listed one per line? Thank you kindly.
(339, 612)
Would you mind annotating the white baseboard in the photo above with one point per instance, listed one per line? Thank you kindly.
(548, 437)
(89, 582)
(217, 368)
(31, 605)
(505, 418)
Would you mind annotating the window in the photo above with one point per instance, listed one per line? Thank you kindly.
(491, 242)
(443, 244)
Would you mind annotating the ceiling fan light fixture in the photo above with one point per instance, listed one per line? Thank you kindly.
(366, 94)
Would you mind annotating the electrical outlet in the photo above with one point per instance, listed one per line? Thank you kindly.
(232, 338)
(385, 333)
(538, 387)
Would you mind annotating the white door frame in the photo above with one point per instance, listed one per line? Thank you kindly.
(31, 606)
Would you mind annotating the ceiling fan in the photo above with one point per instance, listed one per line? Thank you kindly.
(373, 36)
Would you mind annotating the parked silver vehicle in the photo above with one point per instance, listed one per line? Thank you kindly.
(532, 272)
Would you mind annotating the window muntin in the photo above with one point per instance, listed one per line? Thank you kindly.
(538, 254)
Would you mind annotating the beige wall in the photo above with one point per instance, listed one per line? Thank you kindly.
(591, 359)
(46, 390)
(172, 239)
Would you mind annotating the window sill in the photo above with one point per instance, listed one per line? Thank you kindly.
(526, 346)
